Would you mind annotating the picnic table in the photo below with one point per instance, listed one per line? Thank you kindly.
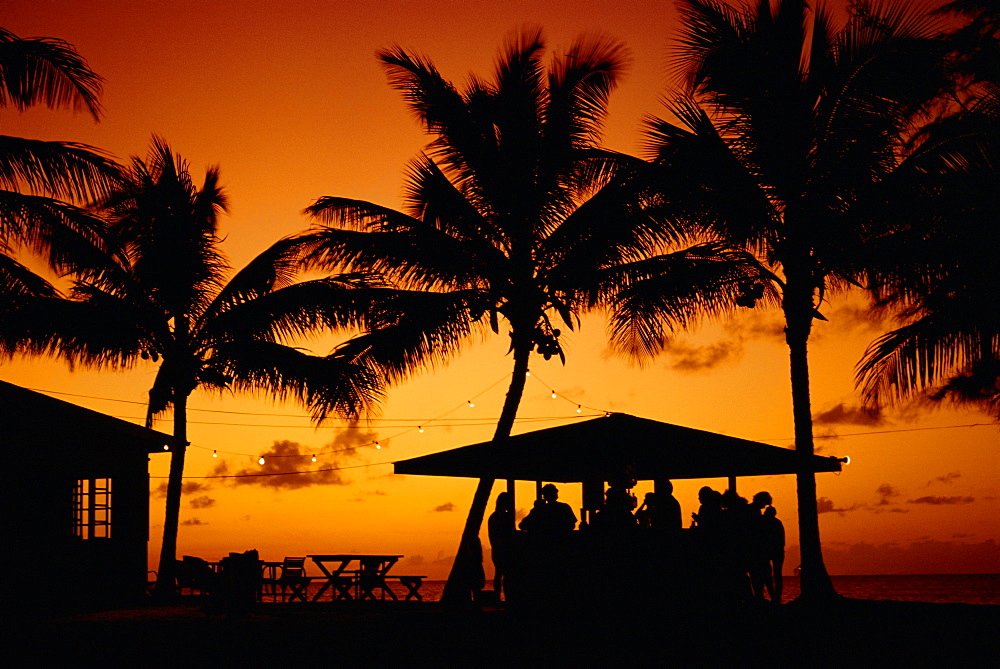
(370, 574)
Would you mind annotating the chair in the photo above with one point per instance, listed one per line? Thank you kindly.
(196, 575)
(151, 577)
(292, 580)
(269, 581)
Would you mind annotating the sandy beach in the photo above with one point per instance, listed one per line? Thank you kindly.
(844, 633)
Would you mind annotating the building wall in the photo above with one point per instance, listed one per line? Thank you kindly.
(46, 455)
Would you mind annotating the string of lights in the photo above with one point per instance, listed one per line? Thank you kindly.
(441, 420)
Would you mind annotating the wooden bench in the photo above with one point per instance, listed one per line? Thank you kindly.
(412, 584)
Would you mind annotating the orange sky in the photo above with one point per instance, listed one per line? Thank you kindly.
(288, 99)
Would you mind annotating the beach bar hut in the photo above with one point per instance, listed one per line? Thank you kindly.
(614, 448)
(77, 488)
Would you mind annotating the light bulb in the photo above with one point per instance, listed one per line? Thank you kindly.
(553, 394)
(215, 454)
(166, 447)
(378, 446)
(528, 373)
(420, 429)
(471, 404)
(261, 461)
(579, 409)
(314, 458)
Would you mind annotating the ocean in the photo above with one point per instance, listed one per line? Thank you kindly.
(937, 588)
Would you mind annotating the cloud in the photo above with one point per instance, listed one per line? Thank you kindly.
(844, 414)
(202, 502)
(688, 358)
(946, 479)
(854, 318)
(187, 488)
(287, 464)
(353, 437)
(447, 506)
(826, 505)
(886, 494)
(757, 324)
(413, 561)
(193, 521)
(931, 499)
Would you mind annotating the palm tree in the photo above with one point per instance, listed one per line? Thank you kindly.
(512, 215)
(38, 178)
(785, 124)
(156, 289)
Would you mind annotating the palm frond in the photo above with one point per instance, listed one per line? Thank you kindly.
(64, 170)
(303, 308)
(926, 354)
(580, 86)
(336, 384)
(413, 255)
(47, 226)
(652, 298)
(417, 330)
(44, 70)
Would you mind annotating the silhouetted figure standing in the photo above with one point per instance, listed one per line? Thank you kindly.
(500, 529)
(709, 568)
(648, 515)
(738, 546)
(774, 547)
(550, 516)
(616, 516)
(668, 508)
(758, 564)
(709, 516)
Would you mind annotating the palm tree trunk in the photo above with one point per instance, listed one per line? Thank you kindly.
(165, 580)
(798, 307)
(457, 589)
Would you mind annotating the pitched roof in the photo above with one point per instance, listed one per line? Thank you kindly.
(614, 445)
(21, 408)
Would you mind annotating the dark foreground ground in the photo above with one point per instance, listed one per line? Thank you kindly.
(845, 633)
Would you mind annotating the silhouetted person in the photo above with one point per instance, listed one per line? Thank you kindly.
(500, 528)
(709, 565)
(709, 516)
(648, 514)
(668, 508)
(616, 516)
(774, 546)
(549, 516)
(738, 548)
(758, 564)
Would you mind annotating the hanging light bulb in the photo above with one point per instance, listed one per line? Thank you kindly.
(261, 461)
(166, 447)
(314, 457)
(420, 429)
(553, 394)
(579, 409)
(378, 446)
(528, 373)
(471, 404)
(215, 454)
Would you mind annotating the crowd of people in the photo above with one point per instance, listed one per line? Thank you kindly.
(746, 539)
(742, 542)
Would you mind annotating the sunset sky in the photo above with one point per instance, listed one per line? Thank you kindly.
(288, 99)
